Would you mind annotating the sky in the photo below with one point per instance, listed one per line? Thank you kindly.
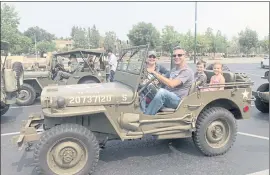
(229, 17)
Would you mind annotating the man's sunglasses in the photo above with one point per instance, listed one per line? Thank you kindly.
(179, 55)
(152, 56)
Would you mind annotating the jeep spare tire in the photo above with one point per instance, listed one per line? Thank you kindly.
(26, 96)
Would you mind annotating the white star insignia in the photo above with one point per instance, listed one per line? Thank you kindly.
(245, 94)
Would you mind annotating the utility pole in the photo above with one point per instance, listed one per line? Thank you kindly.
(36, 46)
(195, 49)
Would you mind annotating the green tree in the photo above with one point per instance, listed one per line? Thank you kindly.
(264, 45)
(144, 33)
(234, 46)
(248, 39)
(169, 37)
(45, 46)
(220, 42)
(187, 41)
(39, 34)
(10, 32)
(94, 37)
(80, 37)
(110, 41)
(210, 40)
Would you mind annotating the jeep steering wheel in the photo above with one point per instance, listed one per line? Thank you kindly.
(151, 80)
(143, 87)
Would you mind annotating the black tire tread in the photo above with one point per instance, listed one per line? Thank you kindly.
(61, 129)
(260, 105)
(202, 117)
(5, 109)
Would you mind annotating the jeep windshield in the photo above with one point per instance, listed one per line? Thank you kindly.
(130, 66)
(132, 60)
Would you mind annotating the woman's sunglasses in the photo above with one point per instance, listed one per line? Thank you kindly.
(179, 55)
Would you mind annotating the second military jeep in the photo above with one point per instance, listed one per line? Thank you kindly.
(35, 81)
(79, 119)
(11, 79)
(262, 95)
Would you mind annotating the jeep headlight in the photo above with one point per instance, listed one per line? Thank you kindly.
(99, 74)
(60, 102)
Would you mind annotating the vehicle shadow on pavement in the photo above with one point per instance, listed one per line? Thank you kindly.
(262, 116)
(147, 147)
(26, 161)
(7, 118)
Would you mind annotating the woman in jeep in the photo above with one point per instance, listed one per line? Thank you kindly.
(151, 63)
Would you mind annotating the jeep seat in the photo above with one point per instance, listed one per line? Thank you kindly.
(192, 89)
(229, 76)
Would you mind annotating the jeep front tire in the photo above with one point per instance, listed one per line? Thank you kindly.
(216, 130)
(67, 149)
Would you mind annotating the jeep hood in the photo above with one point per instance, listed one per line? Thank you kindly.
(36, 74)
(86, 94)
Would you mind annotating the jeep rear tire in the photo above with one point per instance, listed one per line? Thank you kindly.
(261, 105)
(216, 130)
(4, 108)
(67, 149)
(27, 95)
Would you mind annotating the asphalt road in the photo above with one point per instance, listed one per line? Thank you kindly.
(249, 154)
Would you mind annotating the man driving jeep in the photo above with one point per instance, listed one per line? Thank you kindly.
(73, 67)
(177, 86)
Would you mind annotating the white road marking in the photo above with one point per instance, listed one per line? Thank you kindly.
(252, 135)
(264, 172)
(17, 133)
(14, 107)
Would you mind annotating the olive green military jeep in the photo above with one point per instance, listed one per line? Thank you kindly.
(35, 81)
(78, 120)
(262, 95)
(11, 79)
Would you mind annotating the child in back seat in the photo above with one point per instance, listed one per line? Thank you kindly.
(199, 76)
(218, 78)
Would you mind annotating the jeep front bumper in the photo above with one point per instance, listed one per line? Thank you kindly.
(30, 130)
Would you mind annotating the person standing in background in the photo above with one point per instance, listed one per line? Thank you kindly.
(113, 64)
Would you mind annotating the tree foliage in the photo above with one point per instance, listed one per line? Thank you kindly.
(94, 37)
(140, 34)
(144, 33)
(248, 39)
(39, 34)
(45, 46)
(80, 37)
(110, 41)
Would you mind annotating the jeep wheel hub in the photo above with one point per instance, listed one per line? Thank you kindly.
(67, 156)
(23, 94)
(217, 133)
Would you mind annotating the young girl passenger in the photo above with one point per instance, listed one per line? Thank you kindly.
(218, 78)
